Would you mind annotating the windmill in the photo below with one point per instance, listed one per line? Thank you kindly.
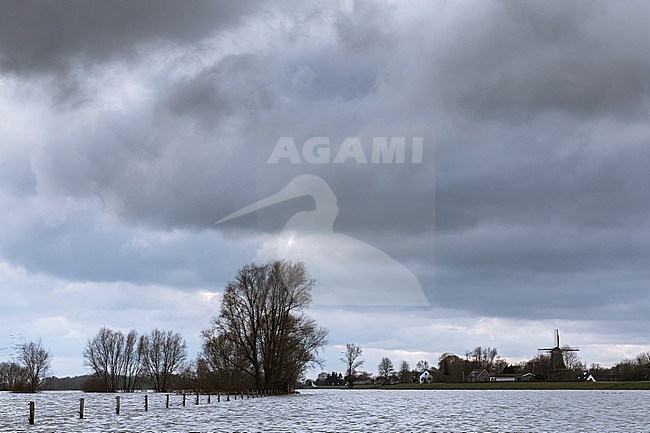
(557, 353)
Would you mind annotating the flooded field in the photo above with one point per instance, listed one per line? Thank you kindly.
(337, 411)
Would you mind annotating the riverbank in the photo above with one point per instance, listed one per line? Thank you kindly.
(541, 385)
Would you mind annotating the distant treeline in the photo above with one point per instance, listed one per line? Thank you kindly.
(88, 383)
(453, 368)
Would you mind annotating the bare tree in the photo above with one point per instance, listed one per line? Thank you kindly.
(130, 363)
(35, 360)
(422, 365)
(385, 368)
(482, 357)
(163, 354)
(114, 359)
(572, 360)
(404, 372)
(262, 330)
(500, 365)
(100, 354)
(352, 359)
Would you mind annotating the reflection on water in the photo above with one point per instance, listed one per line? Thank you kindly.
(317, 410)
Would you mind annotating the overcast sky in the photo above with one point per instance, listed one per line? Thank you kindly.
(128, 129)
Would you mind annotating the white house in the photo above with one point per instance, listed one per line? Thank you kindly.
(426, 377)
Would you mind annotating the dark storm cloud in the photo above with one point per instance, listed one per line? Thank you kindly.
(507, 168)
(43, 37)
(584, 178)
(534, 270)
(168, 175)
(261, 96)
(513, 61)
(233, 86)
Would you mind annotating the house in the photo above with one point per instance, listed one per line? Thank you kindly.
(426, 377)
(478, 376)
(586, 377)
(528, 377)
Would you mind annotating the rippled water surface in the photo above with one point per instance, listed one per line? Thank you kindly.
(338, 411)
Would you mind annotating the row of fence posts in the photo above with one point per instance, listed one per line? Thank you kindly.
(32, 408)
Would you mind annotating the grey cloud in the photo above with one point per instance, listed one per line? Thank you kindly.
(319, 79)
(52, 36)
(366, 27)
(244, 91)
(82, 248)
(538, 271)
(236, 85)
(525, 59)
(592, 177)
(16, 177)
(151, 169)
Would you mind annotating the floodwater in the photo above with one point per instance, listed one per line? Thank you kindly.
(316, 410)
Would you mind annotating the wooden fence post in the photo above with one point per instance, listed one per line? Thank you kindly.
(117, 405)
(167, 403)
(183, 400)
(31, 413)
(146, 403)
(81, 408)
(197, 398)
(208, 398)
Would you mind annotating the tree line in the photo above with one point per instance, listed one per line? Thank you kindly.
(454, 368)
(262, 339)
